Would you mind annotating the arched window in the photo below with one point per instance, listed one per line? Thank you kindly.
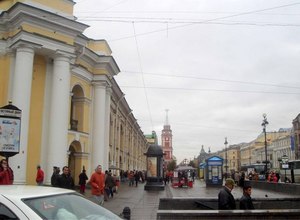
(77, 109)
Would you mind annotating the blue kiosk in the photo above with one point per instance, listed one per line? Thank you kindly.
(214, 171)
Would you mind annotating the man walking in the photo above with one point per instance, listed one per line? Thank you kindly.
(65, 180)
(246, 200)
(97, 182)
(226, 200)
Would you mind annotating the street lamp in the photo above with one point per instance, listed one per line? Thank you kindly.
(284, 165)
(264, 124)
(226, 156)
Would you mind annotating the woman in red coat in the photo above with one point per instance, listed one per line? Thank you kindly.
(6, 173)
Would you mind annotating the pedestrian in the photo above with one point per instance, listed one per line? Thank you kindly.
(236, 177)
(55, 176)
(65, 180)
(97, 182)
(131, 178)
(246, 200)
(193, 175)
(6, 173)
(136, 178)
(82, 181)
(242, 180)
(109, 184)
(39, 176)
(226, 200)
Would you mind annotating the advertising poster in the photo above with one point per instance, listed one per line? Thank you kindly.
(10, 134)
(151, 168)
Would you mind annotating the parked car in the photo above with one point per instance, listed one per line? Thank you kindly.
(39, 202)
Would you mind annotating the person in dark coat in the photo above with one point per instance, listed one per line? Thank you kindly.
(242, 180)
(55, 176)
(65, 180)
(136, 178)
(109, 184)
(226, 200)
(246, 200)
(82, 181)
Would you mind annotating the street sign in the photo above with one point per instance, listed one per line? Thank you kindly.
(285, 166)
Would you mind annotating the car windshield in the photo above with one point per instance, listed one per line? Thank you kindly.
(68, 206)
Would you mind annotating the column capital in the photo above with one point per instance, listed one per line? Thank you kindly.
(25, 46)
(101, 83)
(63, 56)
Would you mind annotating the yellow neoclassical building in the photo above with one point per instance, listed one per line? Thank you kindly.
(73, 111)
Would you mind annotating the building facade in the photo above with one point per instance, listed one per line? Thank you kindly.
(232, 153)
(73, 112)
(296, 137)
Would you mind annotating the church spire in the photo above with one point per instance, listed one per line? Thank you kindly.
(167, 118)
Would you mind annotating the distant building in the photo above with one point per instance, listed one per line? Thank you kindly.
(203, 155)
(233, 158)
(296, 137)
(166, 141)
(254, 152)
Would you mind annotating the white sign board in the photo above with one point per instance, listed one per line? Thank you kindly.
(10, 134)
(285, 166)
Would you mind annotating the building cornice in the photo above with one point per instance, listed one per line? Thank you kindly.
(23, 13)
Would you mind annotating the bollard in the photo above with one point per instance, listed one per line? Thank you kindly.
(126, 213)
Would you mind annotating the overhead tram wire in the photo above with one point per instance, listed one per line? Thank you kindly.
(112, 6)
(182, 21)
(209, 20)
(216, 80)
(143, 80)
(184, 12)
(204, 126)
(211, 90)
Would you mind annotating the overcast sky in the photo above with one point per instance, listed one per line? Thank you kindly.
(217, 65)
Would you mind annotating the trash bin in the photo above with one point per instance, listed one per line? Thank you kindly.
(126, 213)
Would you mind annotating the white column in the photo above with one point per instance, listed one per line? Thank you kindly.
(21, 94)
(107, 127)
(119, 142)
(59, 114)
(99, 153)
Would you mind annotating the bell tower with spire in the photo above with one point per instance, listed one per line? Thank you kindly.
(166, 139)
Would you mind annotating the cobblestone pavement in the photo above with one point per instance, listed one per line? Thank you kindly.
(144, 204)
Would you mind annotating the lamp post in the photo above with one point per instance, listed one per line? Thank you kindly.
(285, 165)
(264, 124)
(226, 157)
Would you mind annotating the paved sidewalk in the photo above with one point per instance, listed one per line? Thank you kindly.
(144, 204)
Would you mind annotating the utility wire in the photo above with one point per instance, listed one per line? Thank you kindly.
(203, 126)
(108, 8)
(214, 79)
(244, 23)
(209, 20)
(141, 70)
(210, 90)
(184, 12)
